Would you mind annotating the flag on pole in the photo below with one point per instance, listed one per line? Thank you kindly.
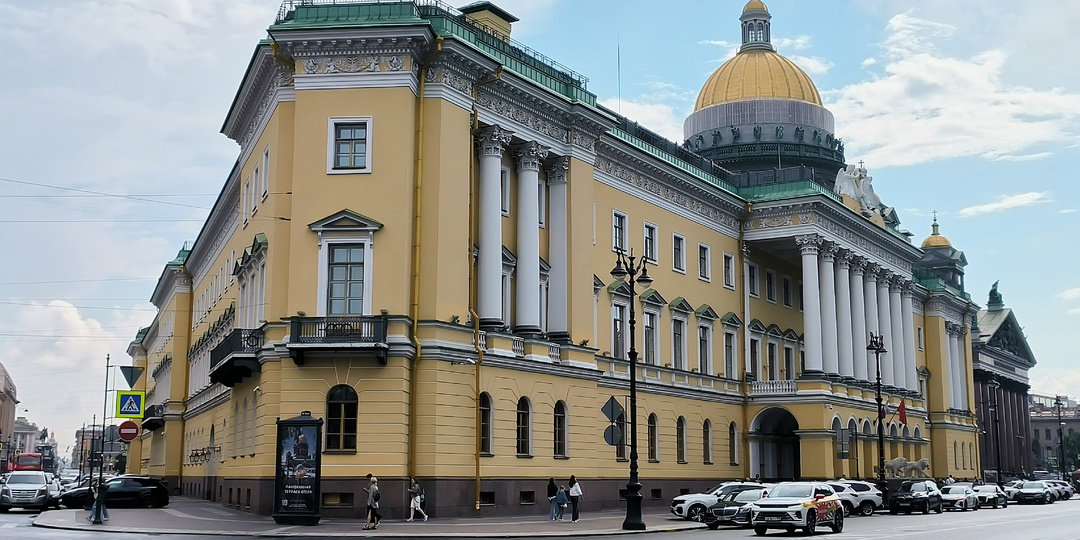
(903, 412)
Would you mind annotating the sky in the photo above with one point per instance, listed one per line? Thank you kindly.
(111, 156)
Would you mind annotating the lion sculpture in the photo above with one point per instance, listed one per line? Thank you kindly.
(917, 469)
(895, 465)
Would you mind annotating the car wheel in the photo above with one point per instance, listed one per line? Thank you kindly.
(976, 507)
(940, 506)
(146, 502)
(963, 506)
(848, 508)
(995, 503)
(926, 507)
(811, 523)
(714, 525)
(696, 513)
(760, 531)
(1047, 499)
(838, 522)
(866, 508)
(1005, 504)
(893, 512)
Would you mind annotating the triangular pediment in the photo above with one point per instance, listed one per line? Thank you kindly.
(619, 288)
(705, 311)
(653, 297)
(1009, 337)
(756, 326)
(680, 304)
(345, 221)
(791, 335)
(774, 331)
(731, 319)
(597, 284)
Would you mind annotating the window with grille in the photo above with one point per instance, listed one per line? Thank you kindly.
(654, 439)
(560, 429)
(650, 242)
(485, 423)
(351, 146)
(678, 330)
(650, 338)
(706, 442)
(618, 231)
(524, 427)
(732, 445)
(678, 254)
(620, 449)
(680, 439)
(341, 405)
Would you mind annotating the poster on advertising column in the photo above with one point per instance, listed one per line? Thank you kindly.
(297, 497)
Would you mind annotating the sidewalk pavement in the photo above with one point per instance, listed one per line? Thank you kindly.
(186, 515)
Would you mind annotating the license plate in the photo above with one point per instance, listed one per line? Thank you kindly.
(905, 504)
(772, 518)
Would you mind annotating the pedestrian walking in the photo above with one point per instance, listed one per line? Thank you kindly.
(552, 491)
(950, 480)
(560, 503)
(416, 499)
(575, 497)
(373, 496)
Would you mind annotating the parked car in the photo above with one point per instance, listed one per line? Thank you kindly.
(915, 495)
(125, 490)
(55, 489)
(733, 508)
(992, 495)
(693, 506)
(868, 495)
(1034, 491)
(68, 476)
(24, 489)
(1062, 488)
(1011, 489)
(797, 505)
(959, 497)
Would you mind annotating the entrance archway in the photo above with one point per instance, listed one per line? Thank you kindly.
(774, 446)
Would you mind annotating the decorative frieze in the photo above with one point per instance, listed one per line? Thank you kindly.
(667, 192)
(520, 115)
(355, 64)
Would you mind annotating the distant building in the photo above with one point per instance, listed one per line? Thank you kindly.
(26, 435)
(8, 402)
(1045, 447)
(88, 440)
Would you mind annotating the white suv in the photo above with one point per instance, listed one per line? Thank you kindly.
(693, 506)
(865, 496)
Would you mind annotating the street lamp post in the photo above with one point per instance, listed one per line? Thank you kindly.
(626, 269)
(995, 420)
(877, 346)
(1061, 435)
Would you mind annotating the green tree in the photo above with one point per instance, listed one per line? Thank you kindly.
(1072, 448)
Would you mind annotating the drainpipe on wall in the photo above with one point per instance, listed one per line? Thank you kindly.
(746, 337)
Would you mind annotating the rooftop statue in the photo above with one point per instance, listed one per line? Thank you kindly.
(995, 296)
(854, 182)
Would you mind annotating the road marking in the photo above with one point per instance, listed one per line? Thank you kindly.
(9, 526)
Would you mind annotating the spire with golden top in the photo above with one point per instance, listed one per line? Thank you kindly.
(936, 239)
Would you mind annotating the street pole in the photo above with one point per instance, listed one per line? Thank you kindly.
(630, 272)
(996, 427)
(82, 456)
(1061, 436)
(877, 346)
(98, 516)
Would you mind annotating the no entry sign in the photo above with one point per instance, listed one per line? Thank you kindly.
(128, 431)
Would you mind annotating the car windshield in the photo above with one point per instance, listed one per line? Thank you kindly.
(989, 489)
(790, 490)
(1032, 485)
(715, 488)
(955, 490)
(749, 495)
(26, 478)
(912, 486)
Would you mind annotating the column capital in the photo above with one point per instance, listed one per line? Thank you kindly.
(530, 155)
(870, 270)
(884, 276)
(828, 251)
(907, 288)
(809, 243)
(492, 140)
(557, 170)
(858, 264)
(746, 250)
(844, 258)
(896, 281)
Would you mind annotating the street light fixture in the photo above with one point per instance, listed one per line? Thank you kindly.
(633, 273)
(877, 346)
(1061, 435)
(996, 420)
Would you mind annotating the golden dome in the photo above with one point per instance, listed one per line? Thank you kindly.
(755, 5)
(757, 73)
(935, 239)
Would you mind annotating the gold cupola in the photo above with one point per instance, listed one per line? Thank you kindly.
(935, 239)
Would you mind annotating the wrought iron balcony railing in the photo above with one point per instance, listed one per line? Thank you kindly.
(338, 332)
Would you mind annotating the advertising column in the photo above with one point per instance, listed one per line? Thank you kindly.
(297, 496)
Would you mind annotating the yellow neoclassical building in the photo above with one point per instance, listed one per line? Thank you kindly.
(416, 245)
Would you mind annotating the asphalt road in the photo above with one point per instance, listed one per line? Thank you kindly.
(1026, 522)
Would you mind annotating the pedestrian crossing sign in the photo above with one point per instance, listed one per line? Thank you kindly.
(130, 404)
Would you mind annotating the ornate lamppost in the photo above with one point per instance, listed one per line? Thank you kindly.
(1061, 435)
(633, 273)
(995, 420)
(877, 346)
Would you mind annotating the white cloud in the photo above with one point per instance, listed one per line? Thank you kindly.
(1070, 294)
(1067, 211)
(797, 43)
(658, 117)
(1073, 311)
(813, 65)
(1005, 202)
(929, 106)
(869, 62)
(1023, 157)
(730, 48)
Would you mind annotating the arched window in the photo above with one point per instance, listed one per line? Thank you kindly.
(341, 418)
(254, 423)
(971, 454)
(706, 442)
(955, 455)
(760, 32)
(524, 427)
(733, 448)
(680, 439)
(918, 434)
(620, 449)
(485, 423)
(654, 439)
(560, 429)
(963, 455)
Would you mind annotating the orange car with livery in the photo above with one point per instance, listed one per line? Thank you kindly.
(798, 505)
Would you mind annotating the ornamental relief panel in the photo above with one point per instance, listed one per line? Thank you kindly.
(326, 65)
(666, 192)
(520, 115)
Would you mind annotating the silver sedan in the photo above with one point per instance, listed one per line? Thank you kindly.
(959, 497)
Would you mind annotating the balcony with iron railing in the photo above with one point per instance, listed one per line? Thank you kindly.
(361, 334)
(153, 418)
(235, 357)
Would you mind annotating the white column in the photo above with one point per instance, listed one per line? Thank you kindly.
(558, 280)
(906, 311)
(898, 349)
(827, 287)
(859, 335)
(885, 327)
(870, 298)
(491, 141)
(962, 366)
(527, 313)
(811, 301)
(843, 315)
(950, 351)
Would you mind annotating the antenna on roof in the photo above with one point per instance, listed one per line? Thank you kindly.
(618, 69)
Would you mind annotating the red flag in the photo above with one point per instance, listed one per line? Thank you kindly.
(903, 412)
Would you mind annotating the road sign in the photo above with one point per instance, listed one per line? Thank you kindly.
(131, 374)
(130, 404)
(128, 430)
(612, 409)
(613, 435)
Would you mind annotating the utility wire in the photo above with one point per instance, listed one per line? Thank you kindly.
(50, 282)
(73, 306)
(100, 193)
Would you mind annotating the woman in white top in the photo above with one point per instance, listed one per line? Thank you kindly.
(575, 496)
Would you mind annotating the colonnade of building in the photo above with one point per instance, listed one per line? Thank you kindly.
(846, 297)
(493, 142)
(958, 369)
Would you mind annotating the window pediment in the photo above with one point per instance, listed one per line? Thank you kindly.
(345, 221)
(705, 311)
(756, 326)
(774, 331)
(731, 319)
(653, 297)
(680, 304)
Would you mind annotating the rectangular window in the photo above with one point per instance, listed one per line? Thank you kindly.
(920, 338)
(770, 286)
(774, 369)
(351, 145)
(266, 172)
(650, 242)
(729, 270)
(752, 278)
(754, 357)
(618, 331)
(786, 285)
(704, 350)
(618, 231)
(800, 296)
(541, 203)
(346, 280)
(678, 254)
(678, 337)
(650, 338)
(504, 191)
(703, 262)
(789, 363)
(244, 197)
(729, 355)
(256, 181)
(1048, 434)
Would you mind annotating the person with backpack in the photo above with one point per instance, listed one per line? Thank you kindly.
(416, 499)
(552, 491)
(560, 502)
(373, 496)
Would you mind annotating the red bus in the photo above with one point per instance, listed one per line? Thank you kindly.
(28, 462)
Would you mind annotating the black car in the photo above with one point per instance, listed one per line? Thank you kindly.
(1033, 491)
(992, 495)
(733, 508)
(126, 490)
(915, 495)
